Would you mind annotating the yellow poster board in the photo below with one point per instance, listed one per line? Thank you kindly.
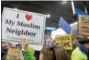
(12, 54)
(83, 25)
(65, 41)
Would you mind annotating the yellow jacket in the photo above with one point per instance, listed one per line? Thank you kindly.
(77, 54)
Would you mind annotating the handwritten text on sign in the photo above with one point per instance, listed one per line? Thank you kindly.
(65, 41)
(20, 25)
(83, 25)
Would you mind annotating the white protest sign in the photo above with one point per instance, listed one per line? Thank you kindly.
(20, 25)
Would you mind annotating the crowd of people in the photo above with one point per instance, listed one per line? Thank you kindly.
(53, 51)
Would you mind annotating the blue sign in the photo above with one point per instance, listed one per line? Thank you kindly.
(64, 25)
(80, 12)
(50, 28)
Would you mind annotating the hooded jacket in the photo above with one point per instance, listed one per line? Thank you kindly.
(77, 54)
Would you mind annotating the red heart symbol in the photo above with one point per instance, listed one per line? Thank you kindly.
(28, 17)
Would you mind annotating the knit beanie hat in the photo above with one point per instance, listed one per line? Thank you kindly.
(83, 40)
(49, 43)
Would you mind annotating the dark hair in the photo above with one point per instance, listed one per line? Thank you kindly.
(54, 56)
(83, 40)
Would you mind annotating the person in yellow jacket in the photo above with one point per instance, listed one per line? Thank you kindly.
(82, 51)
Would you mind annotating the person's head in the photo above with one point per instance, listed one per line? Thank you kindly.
(5, 45)
(61, 53)
(55, 53)
(86, 45)
(46, 52)
(49, 43)
(84, 42)
(19, 46)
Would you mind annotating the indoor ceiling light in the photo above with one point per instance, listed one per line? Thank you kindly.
(64, 2)
(48, 15)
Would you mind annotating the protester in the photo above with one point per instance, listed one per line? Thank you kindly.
(52, 51)
(4, 50)
(28, 52)
(82, 51)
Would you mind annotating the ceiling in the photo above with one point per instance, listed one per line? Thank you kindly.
(55, 8)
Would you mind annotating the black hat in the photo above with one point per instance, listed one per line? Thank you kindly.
(83, 40)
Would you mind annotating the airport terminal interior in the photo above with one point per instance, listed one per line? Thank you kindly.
(45, 30)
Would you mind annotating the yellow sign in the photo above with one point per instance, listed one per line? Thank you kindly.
(65, 41)
(83, 28)
(12, 54)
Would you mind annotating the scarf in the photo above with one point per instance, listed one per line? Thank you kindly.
(83, 49)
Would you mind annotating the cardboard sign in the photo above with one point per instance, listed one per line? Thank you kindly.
(65, 41)
(20, 25)
(83, 27)
(12, 54)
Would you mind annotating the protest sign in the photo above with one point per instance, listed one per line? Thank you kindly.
(65, 41)
(12, 54)
(20, 25)
(83, 25)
